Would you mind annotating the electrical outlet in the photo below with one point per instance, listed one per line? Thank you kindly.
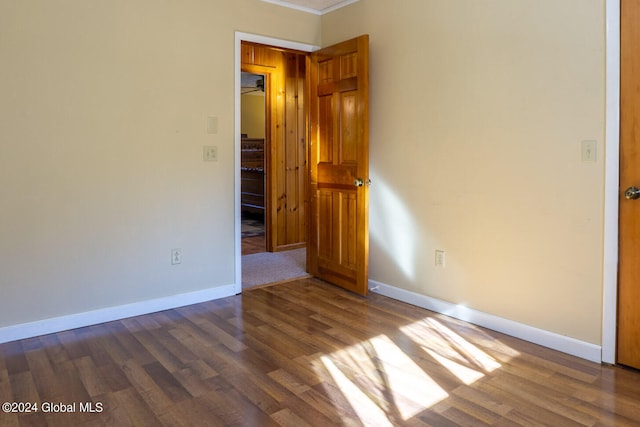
(209, 153)
(440, 258)
(176, 256)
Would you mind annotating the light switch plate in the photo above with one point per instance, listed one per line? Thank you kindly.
(588, 150)
(176, 256)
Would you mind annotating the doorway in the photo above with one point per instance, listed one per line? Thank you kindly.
(252, 162)
(311, 98)
(272, 164)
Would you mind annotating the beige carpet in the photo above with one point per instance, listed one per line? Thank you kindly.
(270, 267)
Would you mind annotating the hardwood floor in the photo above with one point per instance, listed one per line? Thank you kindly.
(307, 353)
(253, 245)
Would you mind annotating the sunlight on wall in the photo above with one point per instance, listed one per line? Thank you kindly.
(382, 382)
(395, 229)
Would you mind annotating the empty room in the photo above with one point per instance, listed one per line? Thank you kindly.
(458, 174)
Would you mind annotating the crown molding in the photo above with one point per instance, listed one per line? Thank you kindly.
(290, 5)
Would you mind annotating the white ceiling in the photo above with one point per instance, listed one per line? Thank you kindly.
(318, 7)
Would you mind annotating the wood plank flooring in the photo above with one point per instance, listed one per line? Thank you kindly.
(253, 245)
(306, 353)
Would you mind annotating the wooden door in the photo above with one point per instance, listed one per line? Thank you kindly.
(338, 250)
(629, 267)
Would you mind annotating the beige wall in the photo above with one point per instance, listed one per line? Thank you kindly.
(104, 107)
(478, 110)
(252, 115)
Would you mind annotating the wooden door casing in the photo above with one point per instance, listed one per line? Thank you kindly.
(628, 339)
(338, 248)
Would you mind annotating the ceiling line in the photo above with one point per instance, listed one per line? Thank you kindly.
(296, 4)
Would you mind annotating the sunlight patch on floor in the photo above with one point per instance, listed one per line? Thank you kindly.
(468, 350)
(467, 375)
(411, 388)
(379, 379)
(382, 383)
(368, 412)
(431, 334)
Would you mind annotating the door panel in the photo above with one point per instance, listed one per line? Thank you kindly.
(338, 157)
(629, 266)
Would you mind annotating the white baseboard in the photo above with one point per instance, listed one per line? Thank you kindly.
(79, 320)
(541, 337)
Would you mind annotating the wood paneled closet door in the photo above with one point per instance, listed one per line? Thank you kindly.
(629, 266)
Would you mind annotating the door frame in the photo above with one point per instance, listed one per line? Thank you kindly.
(254, 38)
(611, 181)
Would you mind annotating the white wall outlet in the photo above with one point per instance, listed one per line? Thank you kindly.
(440, 258)
(209, 153)
(588, 150)
(176, 256)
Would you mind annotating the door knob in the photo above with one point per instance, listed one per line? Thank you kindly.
(359, 182)
(632, 193)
